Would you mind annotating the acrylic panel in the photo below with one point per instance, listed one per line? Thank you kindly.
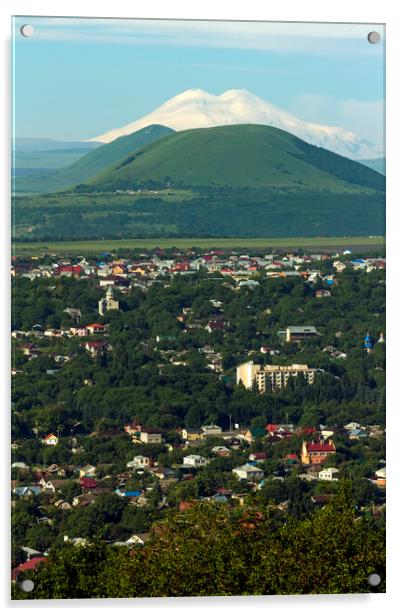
(198, 308)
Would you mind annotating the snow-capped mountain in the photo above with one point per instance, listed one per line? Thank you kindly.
(199, 109)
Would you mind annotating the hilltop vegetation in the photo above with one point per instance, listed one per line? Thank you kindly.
(242, 156)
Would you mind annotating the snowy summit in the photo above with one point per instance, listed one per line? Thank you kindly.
(199, 109)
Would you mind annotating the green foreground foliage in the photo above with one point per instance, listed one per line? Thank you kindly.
(212, 550)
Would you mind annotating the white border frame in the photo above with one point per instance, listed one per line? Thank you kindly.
(359, 11)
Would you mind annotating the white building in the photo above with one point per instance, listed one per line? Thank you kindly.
(271, 376)
(139, 462)
(353, 425)
(329, 474)
(150, 436)
(211, 430)
(194, 460)
(249, 472)
(108, 302)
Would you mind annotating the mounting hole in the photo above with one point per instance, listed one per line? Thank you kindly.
(374, 37)
(374, 579)
(27, 585)
(27, 30)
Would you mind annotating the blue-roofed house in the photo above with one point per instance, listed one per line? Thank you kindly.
(128, 493)
(357, 434)
(22, 491)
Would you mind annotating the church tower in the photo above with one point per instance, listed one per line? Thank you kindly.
(108, 302)
(368, 343)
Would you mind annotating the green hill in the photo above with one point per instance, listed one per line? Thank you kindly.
(92, 163)
(232, 157)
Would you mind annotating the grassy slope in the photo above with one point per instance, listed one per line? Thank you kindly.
(92, 163)
(252, 156)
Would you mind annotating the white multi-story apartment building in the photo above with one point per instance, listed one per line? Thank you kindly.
(271, 377)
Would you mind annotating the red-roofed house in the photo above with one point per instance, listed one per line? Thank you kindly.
(215, 325)
(88, 483)
(272, 428)
(94, 347)
(317, 453)
(291, 458)
(27, 566)
(96, 328)
(50, 439)
(258, 456)
(308, 431)
(69, 270)
(182, 266)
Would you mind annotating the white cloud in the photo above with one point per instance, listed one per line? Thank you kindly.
(321, 38)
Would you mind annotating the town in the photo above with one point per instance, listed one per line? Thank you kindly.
(153, 381)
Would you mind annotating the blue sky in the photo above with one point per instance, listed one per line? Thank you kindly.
(77, 78)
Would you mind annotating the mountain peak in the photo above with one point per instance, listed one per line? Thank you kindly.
(196, 108)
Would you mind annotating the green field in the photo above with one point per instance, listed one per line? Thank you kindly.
(98, 246)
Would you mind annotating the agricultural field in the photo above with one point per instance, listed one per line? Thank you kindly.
(95, 246)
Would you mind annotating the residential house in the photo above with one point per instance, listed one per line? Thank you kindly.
(297, 333)
(191, 435)
(83, 500)
(88, 483)
(291, 458)
(357, 434)
(248, 472)
(29, 565)
(96, 328)
(215, 325)
(323, 293)
(26, 491)
(194, 460)
(20, 466)
(211, 430)
(329, 474)
(380, 477)
(259, 456)
(51, 439)
(139, 539)
(253, 433)
(353, 425)
(87, 471)
(62, 504)
(78, 330)
(221, 451)
(316, 453)
(94, 347)
(139, 462)
(150, 435)
(47, 486)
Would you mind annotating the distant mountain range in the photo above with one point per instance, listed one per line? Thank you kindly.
(93, 162)
(199, 109)
(378, 164)
(37, 144)
(31, 156)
